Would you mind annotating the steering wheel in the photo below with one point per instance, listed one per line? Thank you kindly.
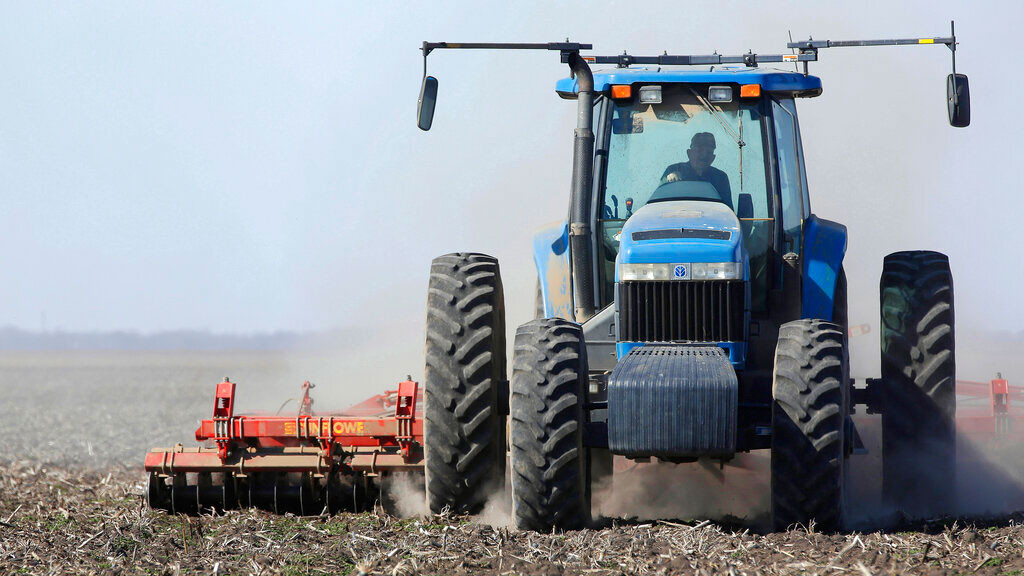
(686, 190)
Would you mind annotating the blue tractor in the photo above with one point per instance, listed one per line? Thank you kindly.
(691, 306)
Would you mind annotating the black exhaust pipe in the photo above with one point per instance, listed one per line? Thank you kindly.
(582, 191)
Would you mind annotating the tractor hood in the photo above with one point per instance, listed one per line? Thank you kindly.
(681, 231)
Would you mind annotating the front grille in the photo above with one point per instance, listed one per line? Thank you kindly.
(681, 311)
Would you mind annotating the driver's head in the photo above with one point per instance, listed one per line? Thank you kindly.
(702, 150)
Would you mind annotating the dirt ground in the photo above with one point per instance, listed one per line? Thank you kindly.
(61, 521)
(75, 429)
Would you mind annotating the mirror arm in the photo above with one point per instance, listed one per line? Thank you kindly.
(952, 49)
(427, 48)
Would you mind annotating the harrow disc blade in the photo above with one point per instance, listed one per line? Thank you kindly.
(297, 492)
(192, 492)
(158, 494)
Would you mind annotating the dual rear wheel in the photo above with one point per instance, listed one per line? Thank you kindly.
(811, 401)
(467, 399)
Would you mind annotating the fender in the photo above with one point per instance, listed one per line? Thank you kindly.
(551, 256)
(824, 248)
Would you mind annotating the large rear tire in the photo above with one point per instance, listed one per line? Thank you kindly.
(918, 383)
(464, 428)
(809, 409)
(550, 487)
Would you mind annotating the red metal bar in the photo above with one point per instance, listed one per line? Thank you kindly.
(984, 389)
(295, 459)
(199, 459)
(306, 404)
(405, 415)
(341, 429)
(223, 411)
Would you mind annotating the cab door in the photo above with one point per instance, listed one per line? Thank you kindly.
(793, 207)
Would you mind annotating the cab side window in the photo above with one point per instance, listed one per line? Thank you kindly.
(792, 186)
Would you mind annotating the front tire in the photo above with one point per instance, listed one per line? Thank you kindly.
(464, 423)
(918, 383)
(809, 408)
(549, 462)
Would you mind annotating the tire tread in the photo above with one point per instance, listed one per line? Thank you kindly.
(808, 420)
(548, 458)
(464, 436)
(919, 381)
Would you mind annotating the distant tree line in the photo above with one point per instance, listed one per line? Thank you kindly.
(18, 339)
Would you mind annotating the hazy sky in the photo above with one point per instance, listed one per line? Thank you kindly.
(256, 166)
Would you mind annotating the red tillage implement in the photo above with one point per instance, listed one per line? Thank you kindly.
(302, 463)
(990, 412)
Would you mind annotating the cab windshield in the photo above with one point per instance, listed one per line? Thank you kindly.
(687, 148)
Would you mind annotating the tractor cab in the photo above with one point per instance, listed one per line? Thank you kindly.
(728, 136)
(699, 176)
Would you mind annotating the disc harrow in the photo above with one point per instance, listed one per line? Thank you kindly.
(305, 463)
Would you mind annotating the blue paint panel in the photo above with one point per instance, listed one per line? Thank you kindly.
(737, 351)
(824, 248)
(689, 214)
(551, 256)
(770, 80)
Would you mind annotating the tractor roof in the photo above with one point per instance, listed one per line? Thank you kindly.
(776, 81)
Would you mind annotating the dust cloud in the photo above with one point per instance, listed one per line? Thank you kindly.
(990, 478)
(497, 512)
(699, 490)
(406, 492)
(989, 483)
(406, 497)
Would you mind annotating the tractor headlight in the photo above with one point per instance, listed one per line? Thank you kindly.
(717, 270)
(645, 272)
(677, 271)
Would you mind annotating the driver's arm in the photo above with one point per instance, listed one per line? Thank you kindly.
(671, 174)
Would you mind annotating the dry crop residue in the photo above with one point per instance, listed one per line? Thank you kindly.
(60, 521)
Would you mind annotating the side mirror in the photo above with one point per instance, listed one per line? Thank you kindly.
(958, 100)
(425, 106)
